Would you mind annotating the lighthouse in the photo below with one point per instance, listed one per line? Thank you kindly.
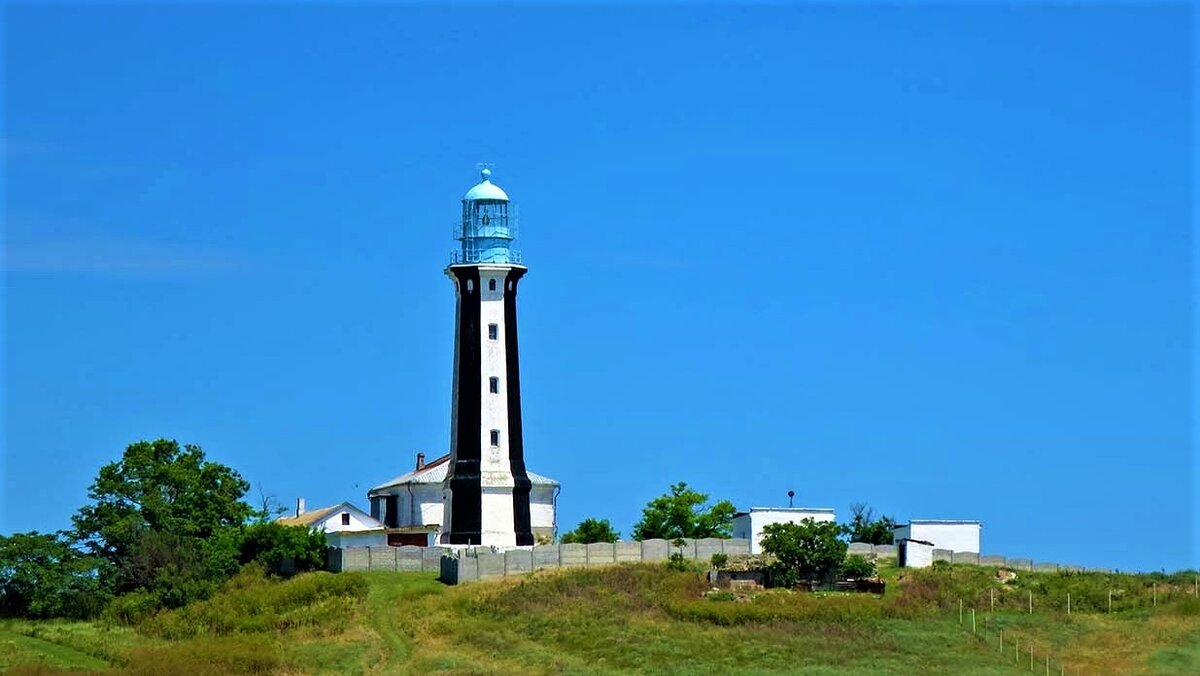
(487, 487)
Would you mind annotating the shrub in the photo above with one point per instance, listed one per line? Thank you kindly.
(283, 550)
(805, 550)
(858, 567)
(677, 561)
(719, 560)
(132, 608)
(591, 530)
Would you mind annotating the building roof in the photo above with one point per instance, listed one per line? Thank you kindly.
(937, 522)
(799, 510)
(435, 472)
(485, 189)
(315, 516)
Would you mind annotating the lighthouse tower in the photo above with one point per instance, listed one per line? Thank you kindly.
(487, 487)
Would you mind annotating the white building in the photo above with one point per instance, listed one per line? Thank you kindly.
(344, 524)
(749, 525)
(958, 536)
(412, 506)
(914, 553)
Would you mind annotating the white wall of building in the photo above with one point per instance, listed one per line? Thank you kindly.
(343, 539)
(916, 554)
(359, 521)
(750, 525)
(541, 507)
(959, 536)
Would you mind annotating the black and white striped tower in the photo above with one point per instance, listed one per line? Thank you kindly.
(487, 488)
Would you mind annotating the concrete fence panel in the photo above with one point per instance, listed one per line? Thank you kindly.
(965, 557)
(408, 558)
(884, 551)
(688, 549)
(1019, 564)
(600, 553)
(333, 560)
(992, 560)
(860, 548)
(430, 556)
(517, 561)
(490, 565)
(627, 552)
(655, 550)
(706, 547)
(545, 556)
(355, 558)
(943, 555)
(573, 554)
(1045, 567)
(736, 547)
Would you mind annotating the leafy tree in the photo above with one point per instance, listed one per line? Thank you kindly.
(42, 575)
(591, 530)
(806, 550)
(283, 549)
(864, 527)
(164, 520)
(684, 513)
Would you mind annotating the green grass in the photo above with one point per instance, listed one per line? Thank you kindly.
(624, 619)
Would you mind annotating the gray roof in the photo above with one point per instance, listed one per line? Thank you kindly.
(435, 473)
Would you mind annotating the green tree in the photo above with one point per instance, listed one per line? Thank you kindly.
(806, 550)
(684, 513)
(42, 575)
(864, 527)
(164, 520)
(283, 550)
(591, 530)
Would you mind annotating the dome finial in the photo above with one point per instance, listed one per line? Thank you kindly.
(485, 173)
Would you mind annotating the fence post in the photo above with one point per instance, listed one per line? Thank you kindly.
(972, 621)
(992, 599)
(1031, 658)
(1068, 603)
(1110, 600)
(1030, 601)
(1001, 641)
(1047, 664)
(1154, 593)
(960, 611)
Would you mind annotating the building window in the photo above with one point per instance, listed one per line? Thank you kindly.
(346, 518)
(470, 285)
(495, 437)
(494, 385)
(491, 285)
(493, 331)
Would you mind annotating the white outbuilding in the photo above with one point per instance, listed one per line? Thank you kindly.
(958, 536)
(914, 553)
(749, 525)
(344, 524)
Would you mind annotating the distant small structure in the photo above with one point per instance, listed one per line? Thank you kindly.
(344, 524)
(958, 536)
(914, 553)
(749, 525)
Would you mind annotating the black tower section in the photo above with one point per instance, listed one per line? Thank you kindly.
(516, 447)
(465, 520)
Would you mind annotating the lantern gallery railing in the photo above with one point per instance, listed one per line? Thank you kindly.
(484, 255)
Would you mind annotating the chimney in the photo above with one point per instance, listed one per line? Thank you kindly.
(420, 461)
(299, 506)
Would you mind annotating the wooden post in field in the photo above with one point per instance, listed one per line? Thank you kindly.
(1068, 603)
(1110, 600)
(1154, 594)
(972, 621)
(1047, 664)
(1030, 601)
(1001, 641)
(1017, 648)
(1031, 659)
(992, 595)
(960, 607)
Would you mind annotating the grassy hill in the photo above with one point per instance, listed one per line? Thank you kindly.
(636, 619)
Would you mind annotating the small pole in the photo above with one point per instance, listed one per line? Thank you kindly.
(992, 594)
(1154, 591)
(1031, 658)
(1001, 640)
(1030, 601)
(1068, 603)
(1047, 664)
(1017, 647)
(960, 611)
(972, 620)
(1110, 600)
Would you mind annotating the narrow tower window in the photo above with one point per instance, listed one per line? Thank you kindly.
(345, 518)
(493, 331)
(491, 285)
(495, 437)
(494, 385)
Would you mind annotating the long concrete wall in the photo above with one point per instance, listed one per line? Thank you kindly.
(885, 551)
(463, 565)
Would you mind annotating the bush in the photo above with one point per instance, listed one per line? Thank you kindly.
(857, 567)
(677, 561)
(806, 550)
(719, 560)
(283, 550)
(591, 530)
(132, 608)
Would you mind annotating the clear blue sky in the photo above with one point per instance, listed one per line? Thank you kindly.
(936, 259)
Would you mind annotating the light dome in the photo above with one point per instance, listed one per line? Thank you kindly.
(485, 189)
